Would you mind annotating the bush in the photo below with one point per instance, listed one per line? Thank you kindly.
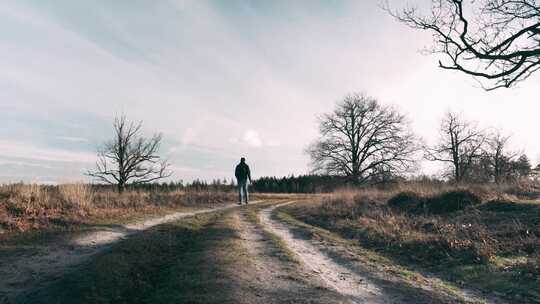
(502, 206)
(346, 206)
(452, 201)
(407, 201)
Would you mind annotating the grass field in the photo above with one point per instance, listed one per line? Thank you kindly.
(476, 237)
(36, 207)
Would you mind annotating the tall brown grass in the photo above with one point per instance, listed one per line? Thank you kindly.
(523, 189)
(30, 206)
(493, 225)
(77, 196)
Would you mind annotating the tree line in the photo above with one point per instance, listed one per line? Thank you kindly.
(216, 185)
(361, 142)
(370, 143)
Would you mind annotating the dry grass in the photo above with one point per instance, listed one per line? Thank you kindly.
(165, 264)
(77, 196)
(29, 207)
(494, 246)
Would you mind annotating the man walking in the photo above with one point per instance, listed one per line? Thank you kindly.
(242, 174)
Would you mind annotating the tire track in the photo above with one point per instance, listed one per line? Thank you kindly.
(353, 282)
(356, 288)
(269, 275)
(40, 264)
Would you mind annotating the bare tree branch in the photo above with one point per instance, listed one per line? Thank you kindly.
(494, 40)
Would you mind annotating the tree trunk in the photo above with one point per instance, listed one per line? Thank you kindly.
(121, 187)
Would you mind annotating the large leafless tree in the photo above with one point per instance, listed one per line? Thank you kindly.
(129, 158)
(362, 138)
(460, 145)
(496, 41)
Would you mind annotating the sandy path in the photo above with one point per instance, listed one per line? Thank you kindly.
(356, 288)
(269, 276)
(354, 281)
(44, 263)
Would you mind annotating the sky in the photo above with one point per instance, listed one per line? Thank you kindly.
(220, 80)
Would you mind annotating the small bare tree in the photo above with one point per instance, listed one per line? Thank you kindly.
(129, 158)
(362, 138)
(497, 41)
(460, 144)
(500, 159)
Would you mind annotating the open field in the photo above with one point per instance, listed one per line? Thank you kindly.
(192, 260)
(492, 246)
(413, 244)
(37, 207)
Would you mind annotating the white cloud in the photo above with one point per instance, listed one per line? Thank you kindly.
(252, 138)
(4, 162)
(31, 152)
(72, 138)
(203, 74)
(188, 136)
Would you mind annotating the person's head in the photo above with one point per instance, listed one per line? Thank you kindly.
(243, 160)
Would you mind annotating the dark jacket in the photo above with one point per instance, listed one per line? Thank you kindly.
(242, 172)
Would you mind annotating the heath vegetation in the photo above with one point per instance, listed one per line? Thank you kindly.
(29, 206)
(485, 237)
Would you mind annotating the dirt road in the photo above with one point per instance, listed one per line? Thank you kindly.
(337, 276)
(37, 265)
(224, 255)
(357, 279)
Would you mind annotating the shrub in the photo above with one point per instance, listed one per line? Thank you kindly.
(346, 206)
(452, 201)
(407, 201)
(502, 206)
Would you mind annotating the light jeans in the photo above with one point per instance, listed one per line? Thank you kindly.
(243, 194)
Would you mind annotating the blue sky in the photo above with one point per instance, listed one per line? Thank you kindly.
(219, 79)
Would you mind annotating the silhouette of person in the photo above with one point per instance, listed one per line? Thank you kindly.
(242, 174)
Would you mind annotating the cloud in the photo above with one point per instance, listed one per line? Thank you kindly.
(31, 152)
(188, 136)
(220, 79)
(9, 162)
(72, 138)
(252, 138)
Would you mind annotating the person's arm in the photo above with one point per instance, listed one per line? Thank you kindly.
(249, 174)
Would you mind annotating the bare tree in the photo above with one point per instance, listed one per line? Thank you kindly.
(460, 144)
(500, 159)
(129, 158)
(497, 41)
(362, 138)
